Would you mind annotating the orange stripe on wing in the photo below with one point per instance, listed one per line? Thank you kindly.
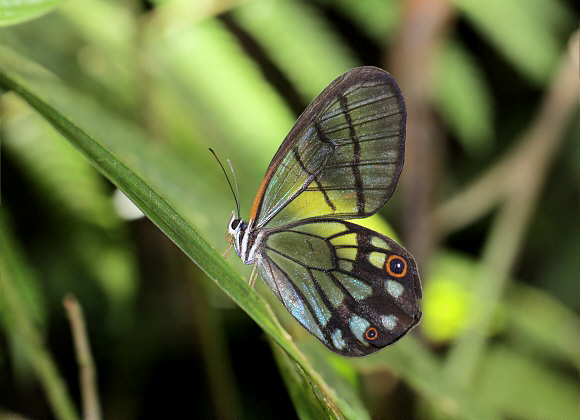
(260, 194)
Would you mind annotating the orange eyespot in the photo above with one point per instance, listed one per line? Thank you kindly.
(371, 333)
(396, 266)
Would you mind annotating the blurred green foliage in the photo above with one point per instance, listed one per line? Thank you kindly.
(99, 95)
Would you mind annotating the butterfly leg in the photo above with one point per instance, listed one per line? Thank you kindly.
(225, 254)
(253, 277)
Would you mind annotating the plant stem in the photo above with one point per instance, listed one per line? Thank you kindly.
(87, 371)
(29, 335)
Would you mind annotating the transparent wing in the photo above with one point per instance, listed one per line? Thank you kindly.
(357, 291)
(342, 158)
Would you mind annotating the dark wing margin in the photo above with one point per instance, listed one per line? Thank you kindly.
(342, 158)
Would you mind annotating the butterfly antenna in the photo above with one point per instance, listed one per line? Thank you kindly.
(228, 179)
(236, 184)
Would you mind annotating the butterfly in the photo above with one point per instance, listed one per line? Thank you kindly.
(354, 289)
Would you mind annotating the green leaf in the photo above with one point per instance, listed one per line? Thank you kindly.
(299, 41)
(523, 388)
(13, 12)
(22, 314)
(379, 19)
(340, 372)
(208, 67)
(547, 325)
(108, 55)
(424, 373)
(463, 99)
(139, 170)
(449, 298)
(523, 31)
(32, 300)
(73, 189)
(309, 401)
(52, 164)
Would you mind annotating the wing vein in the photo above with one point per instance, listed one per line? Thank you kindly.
(357, 105)
(360, 203)
(359, 121)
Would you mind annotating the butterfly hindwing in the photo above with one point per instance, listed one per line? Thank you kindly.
(342, 158)
(354, 289)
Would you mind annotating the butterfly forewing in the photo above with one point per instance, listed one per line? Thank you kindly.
(342, 158)
(357, 291)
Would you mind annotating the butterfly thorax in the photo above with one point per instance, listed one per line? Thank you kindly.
(245, 238)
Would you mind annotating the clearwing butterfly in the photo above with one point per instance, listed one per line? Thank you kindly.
(352, 288)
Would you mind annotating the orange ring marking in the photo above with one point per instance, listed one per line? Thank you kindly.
(388, 266)
(369, 330)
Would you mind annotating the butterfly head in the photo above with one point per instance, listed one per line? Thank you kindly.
(235, 231)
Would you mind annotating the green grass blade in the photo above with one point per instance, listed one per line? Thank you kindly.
(15, 12)
(133, 166)
(299, 41)
(20, 319)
